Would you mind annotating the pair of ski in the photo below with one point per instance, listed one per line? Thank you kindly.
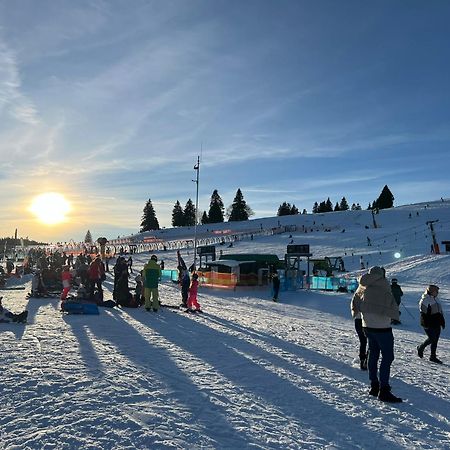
(182, 308)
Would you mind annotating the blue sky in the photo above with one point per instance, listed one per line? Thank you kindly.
(110, 102)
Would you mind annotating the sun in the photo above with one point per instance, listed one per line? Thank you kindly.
(50, 208)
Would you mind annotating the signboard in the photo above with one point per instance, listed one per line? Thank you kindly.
(298, 249)
(206, 250)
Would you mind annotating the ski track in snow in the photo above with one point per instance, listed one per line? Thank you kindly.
(246, 374)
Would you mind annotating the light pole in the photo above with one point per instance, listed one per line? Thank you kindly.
(197, 168)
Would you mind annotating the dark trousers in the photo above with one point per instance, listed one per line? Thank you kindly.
(380, 342)
(433, 338)
(362, 339)
(93, 284)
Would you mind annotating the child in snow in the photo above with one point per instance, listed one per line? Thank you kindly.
(7, 316)
(66, 277)
(192, 303)
(431, 319)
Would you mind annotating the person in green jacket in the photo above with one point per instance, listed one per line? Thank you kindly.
(151, 276)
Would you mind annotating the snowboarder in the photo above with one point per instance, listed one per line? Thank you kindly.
(7, 316)
(151, 275)
(397, 293)
(192, 303)
(431, 319)
(275, 286)
(374, 300)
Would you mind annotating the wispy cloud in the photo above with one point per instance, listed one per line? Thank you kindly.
(12, 99)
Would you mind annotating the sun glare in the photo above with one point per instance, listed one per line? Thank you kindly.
(50, 208)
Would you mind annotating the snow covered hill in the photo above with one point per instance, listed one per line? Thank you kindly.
(248, 373)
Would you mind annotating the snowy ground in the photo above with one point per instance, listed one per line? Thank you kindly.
(248, 373)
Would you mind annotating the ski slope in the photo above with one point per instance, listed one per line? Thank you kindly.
(246, 374)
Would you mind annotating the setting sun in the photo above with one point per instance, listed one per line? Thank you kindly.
(50, 208)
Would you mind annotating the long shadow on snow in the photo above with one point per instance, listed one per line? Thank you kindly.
(140, 351)
(299, 404)
(427, 400)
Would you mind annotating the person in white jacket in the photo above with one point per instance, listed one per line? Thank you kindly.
(374, 300)
(432, 320)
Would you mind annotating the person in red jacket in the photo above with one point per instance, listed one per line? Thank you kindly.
(96, 275)
(192, 303)
(66, 277)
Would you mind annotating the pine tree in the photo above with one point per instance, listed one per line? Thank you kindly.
(294, 210)
(189, 213)
(304, 211)
(177, 215)
(343, 206)
(88, 237)
(205, 218)
(385, 200)
(337, 207)
(322, 207)
(239, 210)
(284, 209)
(216, 208)
(315, 208)
(149, 220)
(328, 205)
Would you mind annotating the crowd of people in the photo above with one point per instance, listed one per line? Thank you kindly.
(375, 305)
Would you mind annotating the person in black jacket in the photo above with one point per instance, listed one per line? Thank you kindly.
(397, 293)
(276, 286)
(431, 319)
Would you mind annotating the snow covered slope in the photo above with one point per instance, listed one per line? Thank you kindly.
(248, 373)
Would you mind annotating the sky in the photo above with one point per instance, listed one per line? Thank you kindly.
(109, 103)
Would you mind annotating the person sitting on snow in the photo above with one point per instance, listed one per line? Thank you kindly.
(7, 316)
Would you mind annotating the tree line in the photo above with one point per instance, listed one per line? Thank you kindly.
(239, 210)
(181, 217)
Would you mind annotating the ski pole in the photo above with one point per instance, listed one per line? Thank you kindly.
(404, 307)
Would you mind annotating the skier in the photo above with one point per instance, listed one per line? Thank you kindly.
(374, 300)
(151, 275)
(397, 293)
(431, 319)
(192, 303)
(7, 316)
(275, 286)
